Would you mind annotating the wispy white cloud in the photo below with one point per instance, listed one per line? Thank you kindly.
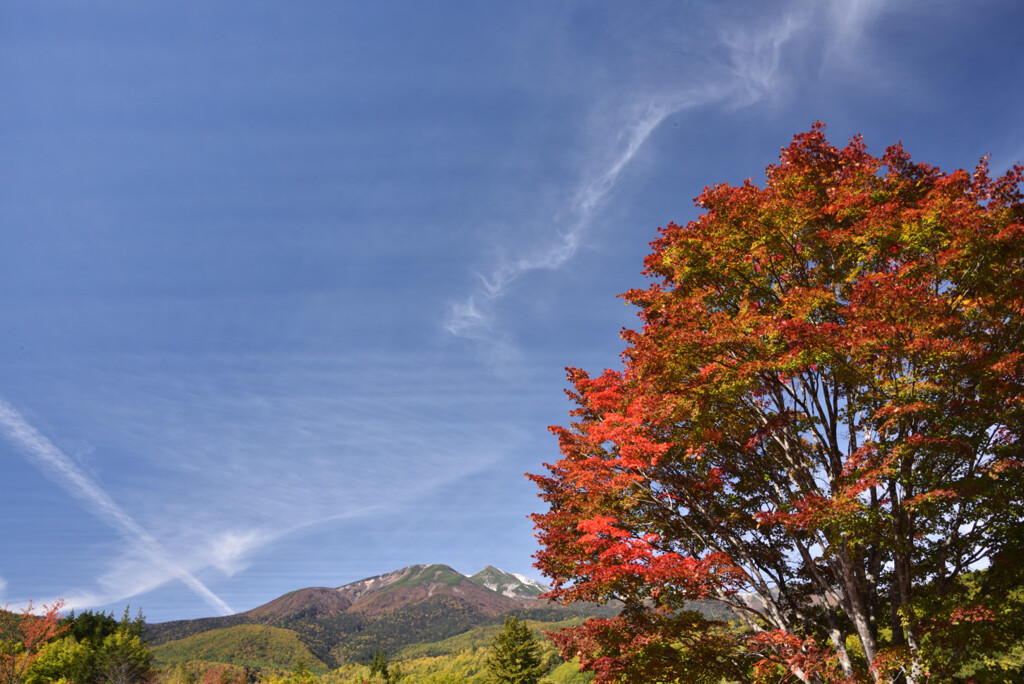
(467, 318)
(56, 465)
(754, 55)
(749, 72)
(845, 28)
(3, 588)
(470, 317)
(229, 550)
(850, 20)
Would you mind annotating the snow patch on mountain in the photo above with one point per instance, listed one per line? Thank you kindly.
(508, 584)
(529, 581)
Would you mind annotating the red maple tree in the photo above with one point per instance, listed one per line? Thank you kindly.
(819, 424)
(22, 637)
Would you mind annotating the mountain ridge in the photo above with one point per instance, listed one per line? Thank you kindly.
(413, 604)
(399, 587)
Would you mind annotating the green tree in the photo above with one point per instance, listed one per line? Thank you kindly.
(94, 626)
(58, 661)
(124, 657)
(515, 655)
(379, 665)
(383, 672)
(75, 657)
(97, 648)
(301, 674)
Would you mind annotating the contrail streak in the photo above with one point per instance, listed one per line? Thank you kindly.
(56, 465)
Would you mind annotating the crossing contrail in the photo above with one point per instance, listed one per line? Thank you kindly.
(56, 465)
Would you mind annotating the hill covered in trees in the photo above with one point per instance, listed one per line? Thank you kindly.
(415, 607)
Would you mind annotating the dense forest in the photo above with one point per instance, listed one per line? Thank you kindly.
(95, 647)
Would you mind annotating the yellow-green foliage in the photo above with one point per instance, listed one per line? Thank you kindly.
(256, 646)
(204, 672)
(568, 673)
(464, 667)
(56, 660)
(468, 666)
(480, 637)
(121, 654)
(462, 659)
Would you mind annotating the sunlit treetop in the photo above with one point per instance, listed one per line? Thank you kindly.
(822, 408)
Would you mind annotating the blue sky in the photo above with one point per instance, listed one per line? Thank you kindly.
(288, 288)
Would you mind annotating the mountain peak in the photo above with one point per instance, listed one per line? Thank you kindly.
(508, 584)
(419, 583)
(491, 592)
(413, 605)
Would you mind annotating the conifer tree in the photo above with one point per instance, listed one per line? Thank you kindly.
(515, 655)
(301, 673)
(379, 665)
(380, 671)
(124, 656)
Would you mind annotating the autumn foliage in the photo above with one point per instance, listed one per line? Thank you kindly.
(22, 637)
(819, 423)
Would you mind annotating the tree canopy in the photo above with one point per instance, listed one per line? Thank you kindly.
(819, 423)
(90, 647)
(515, 655)
(24, 636)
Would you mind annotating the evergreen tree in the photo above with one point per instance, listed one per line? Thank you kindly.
(380, 671)
(301, 674)
(515, 655)
(94, 626)
(124, 656)
(379, 665)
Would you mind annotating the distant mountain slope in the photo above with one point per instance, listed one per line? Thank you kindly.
(245, 645)
(163, 632)
(435, 576)
(417, 604)
(433, 619)
(422, 582)
(312, 602)
(508, 584)
(383, 593)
